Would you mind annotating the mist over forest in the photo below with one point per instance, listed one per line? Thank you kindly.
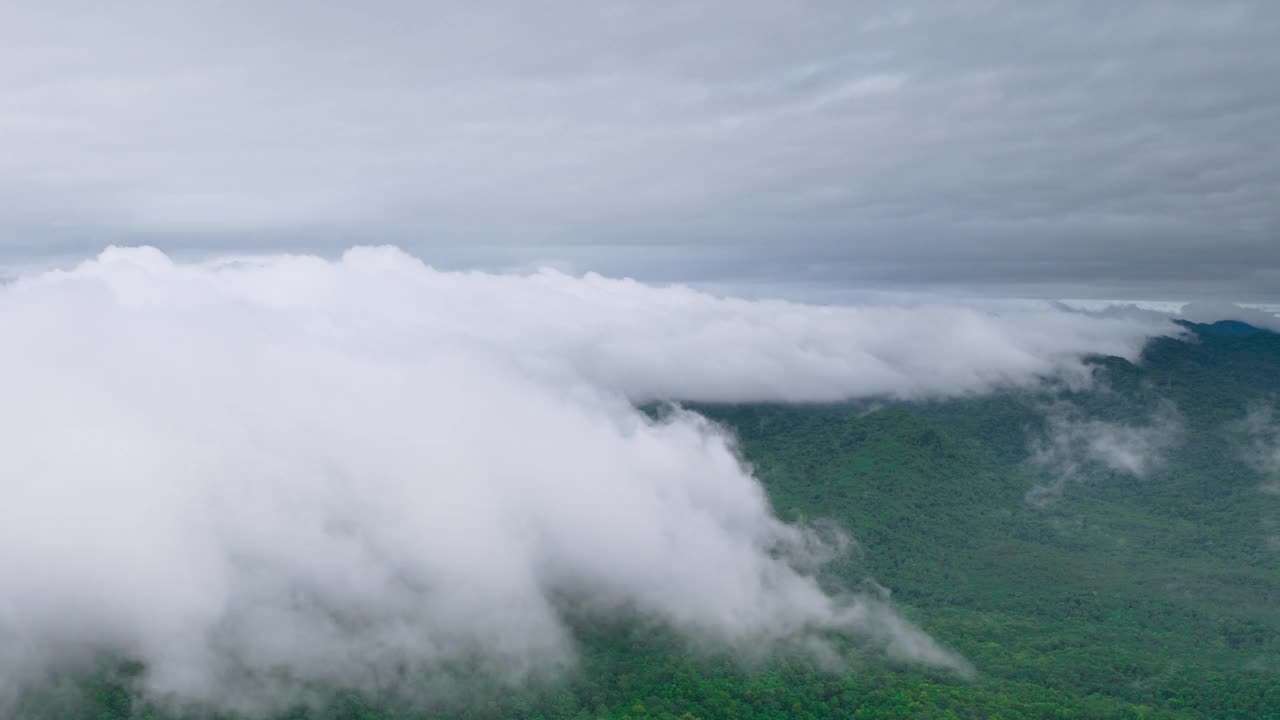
(272, 485)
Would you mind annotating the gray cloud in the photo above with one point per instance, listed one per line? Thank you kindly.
(1070, 149)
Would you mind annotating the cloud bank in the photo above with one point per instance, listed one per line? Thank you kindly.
(327, 469)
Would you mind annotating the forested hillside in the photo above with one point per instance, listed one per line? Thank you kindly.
(1139, 581)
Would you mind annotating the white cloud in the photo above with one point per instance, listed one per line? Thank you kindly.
(336, 467)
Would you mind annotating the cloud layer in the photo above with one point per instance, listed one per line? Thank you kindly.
(1123, 149)
(332, 468)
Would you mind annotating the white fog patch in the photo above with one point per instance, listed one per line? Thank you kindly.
(1262, 449)
(1072, 445)
(1262, 453)
(336, 471)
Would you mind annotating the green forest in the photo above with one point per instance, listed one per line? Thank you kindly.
(1123, 595)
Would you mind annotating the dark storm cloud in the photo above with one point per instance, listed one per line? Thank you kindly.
(1077, 148)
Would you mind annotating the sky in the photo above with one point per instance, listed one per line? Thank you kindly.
(807, 149)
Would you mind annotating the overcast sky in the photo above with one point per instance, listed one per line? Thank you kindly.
(1081, 149)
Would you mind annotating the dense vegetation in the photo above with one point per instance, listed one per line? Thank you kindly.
(1125, 597)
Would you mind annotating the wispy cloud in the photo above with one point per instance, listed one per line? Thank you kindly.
(1073, 445)
(1262, 450)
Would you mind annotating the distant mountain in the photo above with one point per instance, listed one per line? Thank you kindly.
(1225, 328)
(1117, 548)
